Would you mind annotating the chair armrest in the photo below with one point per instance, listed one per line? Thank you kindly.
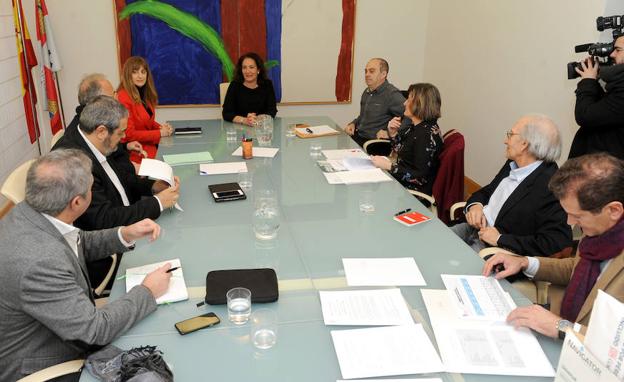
(376, 141)
(55, 371)
(100, 288)
(429, 198)
(455, 207)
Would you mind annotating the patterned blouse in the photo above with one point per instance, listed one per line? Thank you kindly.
(418, 148)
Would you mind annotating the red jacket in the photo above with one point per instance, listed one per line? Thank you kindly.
(141, 127)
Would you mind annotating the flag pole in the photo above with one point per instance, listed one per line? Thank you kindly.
(60, 100)
(18, 5)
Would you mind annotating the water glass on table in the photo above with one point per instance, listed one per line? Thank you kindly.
(230, 134)
(290, 130)
(315, 149)
(367, 200)
(245, 180)
(238, 305)
(264, 328)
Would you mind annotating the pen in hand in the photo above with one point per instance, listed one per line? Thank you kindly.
(172, 269)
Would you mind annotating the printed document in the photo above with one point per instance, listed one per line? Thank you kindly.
(316, 130)
(605, 333)
(385, 351)
(177, 287)
(479, 297)
(187, 158)
(222, 168)
(401, 271)
(341, 154)
(482, 347)
(260, 152)
(393, 380)
(365, 307)
(354, 164)
(159, 170)
(577, 363)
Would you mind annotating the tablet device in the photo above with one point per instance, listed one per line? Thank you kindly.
(225, 192)
(187, 130)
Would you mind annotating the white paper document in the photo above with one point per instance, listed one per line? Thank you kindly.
(159, 170)
(378, 352)
(479, 297)
(605, 333)
(222, 168)
(401, 271)
(260, 152)
(357, 177)
(177, 287)
(333, 178)
(355, 164)
(577, 364)
(482, 347)
(393, 380)
(365, 307)
(316, 130)
(341, 154)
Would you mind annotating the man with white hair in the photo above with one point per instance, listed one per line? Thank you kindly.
(517, 211)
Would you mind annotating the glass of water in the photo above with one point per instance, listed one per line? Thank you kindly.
(264, 328)
(245, 180)
(238, 305)
(290, 130)
(315, 149)
(230, 134)
(367, 201)
(266, 217)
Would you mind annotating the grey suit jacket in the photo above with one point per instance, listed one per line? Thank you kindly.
(46, 306)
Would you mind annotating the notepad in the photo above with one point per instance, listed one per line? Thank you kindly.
(155, 169)
(222, 168)
(261, 152)
(411, 218)
(188, 158)
(315, 131)
(177, 287)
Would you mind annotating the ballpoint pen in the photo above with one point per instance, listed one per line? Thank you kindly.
(309, 130)
(403, 212)
(172, 269)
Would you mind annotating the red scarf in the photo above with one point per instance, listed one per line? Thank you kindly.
(593, 251)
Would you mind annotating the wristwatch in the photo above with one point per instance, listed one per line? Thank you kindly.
(563, 325)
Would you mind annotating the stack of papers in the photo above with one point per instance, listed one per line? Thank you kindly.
(341, 154)
(365, 307)
(357, 177)
(482, 347)
(401, 271)
(177, 287)
(315, 131)
(187, 158)
(222, 168)
(260, 152)
(156, 169)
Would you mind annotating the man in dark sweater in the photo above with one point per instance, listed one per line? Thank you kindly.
(600, 113)
(380, 102)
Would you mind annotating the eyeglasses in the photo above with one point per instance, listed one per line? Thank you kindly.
(510, 133)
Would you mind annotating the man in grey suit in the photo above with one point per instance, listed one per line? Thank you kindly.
(46, 302)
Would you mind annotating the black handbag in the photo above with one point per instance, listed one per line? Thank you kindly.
(261, 282)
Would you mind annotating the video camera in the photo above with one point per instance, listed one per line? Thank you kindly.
(599, 51)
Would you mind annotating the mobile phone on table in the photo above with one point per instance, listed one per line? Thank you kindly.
(196, 323)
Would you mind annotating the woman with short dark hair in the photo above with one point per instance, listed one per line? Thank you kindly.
(250, 93)
(417, 142)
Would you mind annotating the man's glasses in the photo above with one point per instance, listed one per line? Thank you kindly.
(510, 133)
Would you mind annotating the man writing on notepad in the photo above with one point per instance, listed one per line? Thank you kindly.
(591, 191)
(46, 302)
(381, 102)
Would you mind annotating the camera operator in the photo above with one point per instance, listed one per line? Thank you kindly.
(598, 112)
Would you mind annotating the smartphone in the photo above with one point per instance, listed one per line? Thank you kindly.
(228, 194)
(196, 323)
(187, 130)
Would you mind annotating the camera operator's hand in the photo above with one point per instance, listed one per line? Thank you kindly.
(589, 68)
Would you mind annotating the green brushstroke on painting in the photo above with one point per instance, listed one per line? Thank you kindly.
(271, 63)
(187, 24)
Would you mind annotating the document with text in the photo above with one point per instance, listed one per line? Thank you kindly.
(401, 271)
(222, 168)
(158, 170)
(260, 152)
(177, 287)
(341, 154)
(386, 351)
(605, 333)
(365, 307)
(482, 347)
(479, 297)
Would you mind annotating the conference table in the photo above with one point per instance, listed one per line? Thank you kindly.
(320, 225)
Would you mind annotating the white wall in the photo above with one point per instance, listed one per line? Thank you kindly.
(497, 60)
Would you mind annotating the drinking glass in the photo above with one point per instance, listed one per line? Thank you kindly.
(315, 149)
(290, 130)
(238, 305)
(266, 216)
(245, 180)
(264, 328)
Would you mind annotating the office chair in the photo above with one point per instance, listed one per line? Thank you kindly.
(377, 147)
(223, 88)
(55, 371)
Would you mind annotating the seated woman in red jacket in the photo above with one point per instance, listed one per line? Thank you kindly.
(138, 94)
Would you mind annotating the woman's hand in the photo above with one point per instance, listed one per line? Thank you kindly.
(166, 130)
(393, 126)
(381, 162)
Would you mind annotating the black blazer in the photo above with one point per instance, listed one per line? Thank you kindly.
(106, 209)
(531, 221)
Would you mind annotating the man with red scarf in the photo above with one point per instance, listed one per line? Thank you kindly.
(590, 189)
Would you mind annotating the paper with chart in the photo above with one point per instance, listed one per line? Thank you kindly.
(479, 297)
(260, 152)
(605, 333)
(341, 154)
(482, 347)
(159, 170)
(365, 307)
(385, 351)
(400, 271)
(222, 168)
(177, 287)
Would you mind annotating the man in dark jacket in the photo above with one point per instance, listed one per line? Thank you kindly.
(517, 211)
(600, 113)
